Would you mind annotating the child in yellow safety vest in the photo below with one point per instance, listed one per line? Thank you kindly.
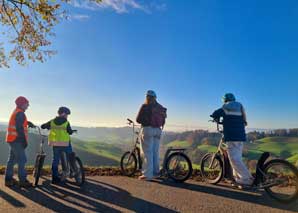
(59, 139)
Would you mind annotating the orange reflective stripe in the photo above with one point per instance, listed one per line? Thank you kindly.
(12, 133)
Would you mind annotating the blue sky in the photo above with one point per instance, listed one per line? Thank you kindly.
(189, 52)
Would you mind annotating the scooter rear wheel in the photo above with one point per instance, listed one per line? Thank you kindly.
(281, 179)
(178, 167)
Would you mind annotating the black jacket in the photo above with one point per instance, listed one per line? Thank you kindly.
(58, 121)
(234, 121)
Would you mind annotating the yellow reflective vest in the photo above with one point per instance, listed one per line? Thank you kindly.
(58, 134)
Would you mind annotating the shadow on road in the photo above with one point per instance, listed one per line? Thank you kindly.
(226, 192)
(10, 199)
(93, 196)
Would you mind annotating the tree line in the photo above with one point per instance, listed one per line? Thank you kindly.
(256, 135)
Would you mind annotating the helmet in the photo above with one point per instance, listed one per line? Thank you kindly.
(151, 93)
(64, 110)
(228, 97)
(20, 101)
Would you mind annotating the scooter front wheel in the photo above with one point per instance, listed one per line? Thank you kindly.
(39, 161)
(129, 164)
(212, 173)
(79, 173)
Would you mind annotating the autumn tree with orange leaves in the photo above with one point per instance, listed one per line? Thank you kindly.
(27, 26)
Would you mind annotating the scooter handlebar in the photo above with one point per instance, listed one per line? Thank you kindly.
(130, 121)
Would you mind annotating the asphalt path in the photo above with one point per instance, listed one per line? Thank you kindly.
(123, 194)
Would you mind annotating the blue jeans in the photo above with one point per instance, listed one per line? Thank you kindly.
(57, 151)
(17, 155)
(150, 140)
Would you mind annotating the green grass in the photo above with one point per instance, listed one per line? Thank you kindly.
(207, 148)
(253, 154)
(293, 159)
(277, 148)
(100, 148)
(196, 166)
(278, 145)
(279, 140)
(183, 144)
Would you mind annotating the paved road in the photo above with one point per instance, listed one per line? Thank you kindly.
(122, 194)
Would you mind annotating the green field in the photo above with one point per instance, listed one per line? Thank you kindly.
(284, 147)
(207, 148)
(279, 140)
(100, 149)
(293, 159)
(182, 144)
(253, 154)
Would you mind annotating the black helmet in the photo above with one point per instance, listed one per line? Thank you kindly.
(62, 110)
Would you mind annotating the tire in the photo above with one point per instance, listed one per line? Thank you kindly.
(289, 182)
(172, 173)
(39, 161)
(80, 173)
(210, 176)
(132, 160)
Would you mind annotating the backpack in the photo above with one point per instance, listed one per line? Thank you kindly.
(158, 116)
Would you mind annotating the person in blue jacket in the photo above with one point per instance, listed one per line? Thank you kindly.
(234, 121)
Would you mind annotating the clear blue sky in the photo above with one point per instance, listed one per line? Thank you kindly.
(189, 52)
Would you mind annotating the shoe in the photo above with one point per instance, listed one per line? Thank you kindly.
(25, 184)
(56, 180)
(242, 186)
(144, 178)
(10, 183)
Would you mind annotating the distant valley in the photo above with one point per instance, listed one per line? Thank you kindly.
(104, 146)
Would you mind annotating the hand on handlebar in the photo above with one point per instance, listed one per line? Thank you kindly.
(215, 120)
(31, 125)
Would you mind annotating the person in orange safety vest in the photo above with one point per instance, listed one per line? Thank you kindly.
(17, 138)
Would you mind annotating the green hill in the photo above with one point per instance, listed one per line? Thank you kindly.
(283, 147)
(279, 139)
(91, 153)
(207, 148)
(99, 149)
(293, 159)
(177, 143)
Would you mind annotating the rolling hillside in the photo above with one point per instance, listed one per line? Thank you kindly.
(282, 147)
(285, 147)
(176, 143)
(91, 153)
(104, 146)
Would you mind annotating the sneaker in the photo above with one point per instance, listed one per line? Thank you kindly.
(10, 183)
(26, 184)
(56, 180)
(144, 178)
(156, 176)
(242, 186)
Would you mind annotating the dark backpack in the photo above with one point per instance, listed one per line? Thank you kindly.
(158, 116)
